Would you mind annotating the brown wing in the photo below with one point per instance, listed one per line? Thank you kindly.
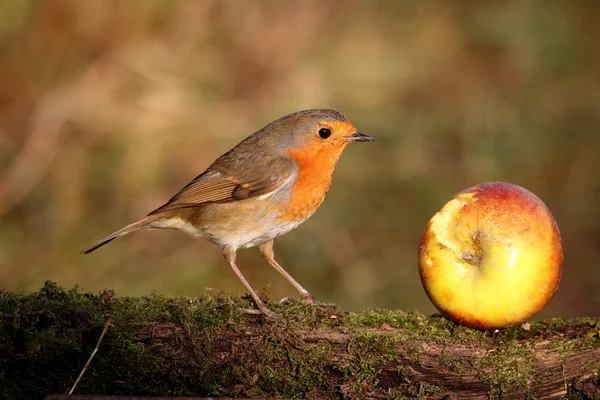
(244, 180)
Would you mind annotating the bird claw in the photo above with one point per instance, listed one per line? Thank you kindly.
(304, 300)
(286, 300)
(309, 298)
(266, 312)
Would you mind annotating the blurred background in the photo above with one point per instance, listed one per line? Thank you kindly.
(107, 108)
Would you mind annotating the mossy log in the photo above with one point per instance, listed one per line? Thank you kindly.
(209, 346)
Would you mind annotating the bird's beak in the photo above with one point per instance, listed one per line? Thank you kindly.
(359, 137)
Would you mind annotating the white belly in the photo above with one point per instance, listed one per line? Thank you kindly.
(248, 236)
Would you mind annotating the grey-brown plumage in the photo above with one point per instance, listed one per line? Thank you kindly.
(247, 170)
(262, 188)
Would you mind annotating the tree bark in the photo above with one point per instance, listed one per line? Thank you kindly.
(210, 347)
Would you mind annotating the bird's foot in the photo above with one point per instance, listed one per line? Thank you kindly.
(309, 298)
(304, 300)
(264, 311)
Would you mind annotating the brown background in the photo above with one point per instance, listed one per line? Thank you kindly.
(109, 107)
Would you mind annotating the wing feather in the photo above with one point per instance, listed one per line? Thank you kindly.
(222, 185)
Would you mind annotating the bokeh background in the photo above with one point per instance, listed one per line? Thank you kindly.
(107, 108)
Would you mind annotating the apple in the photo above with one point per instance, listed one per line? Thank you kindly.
(491, 257)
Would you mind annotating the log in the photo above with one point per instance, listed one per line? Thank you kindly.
(210, 347)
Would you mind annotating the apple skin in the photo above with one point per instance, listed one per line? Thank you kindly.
(491, 257)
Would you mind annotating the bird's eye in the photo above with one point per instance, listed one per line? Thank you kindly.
(324, 133)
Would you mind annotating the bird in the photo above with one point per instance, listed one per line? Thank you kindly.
(262, 188)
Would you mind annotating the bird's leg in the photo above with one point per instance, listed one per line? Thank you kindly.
(266, 250)
(229, 255)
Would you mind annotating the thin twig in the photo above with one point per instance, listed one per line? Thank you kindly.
(92, 355)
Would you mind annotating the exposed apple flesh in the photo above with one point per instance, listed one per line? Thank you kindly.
(491, 257)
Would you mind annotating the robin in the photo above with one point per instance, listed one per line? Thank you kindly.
(264, 187)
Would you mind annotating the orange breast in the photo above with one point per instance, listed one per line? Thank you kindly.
(316, 165)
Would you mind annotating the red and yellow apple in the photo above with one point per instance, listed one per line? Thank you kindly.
(491, 257)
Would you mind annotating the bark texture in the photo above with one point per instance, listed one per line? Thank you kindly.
(210, 347)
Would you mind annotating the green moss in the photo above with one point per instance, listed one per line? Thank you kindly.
(417, 391)
(454, 363)
(49, 335)
(509, 367)
(210, 347)
(415, 326)
(432, 390)
(367, 351)
(272, 363)
(579, 391)
(50, 328)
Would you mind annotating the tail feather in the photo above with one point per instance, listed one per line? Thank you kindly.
(139, 224)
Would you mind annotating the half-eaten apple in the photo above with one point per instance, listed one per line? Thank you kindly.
(491, 257)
